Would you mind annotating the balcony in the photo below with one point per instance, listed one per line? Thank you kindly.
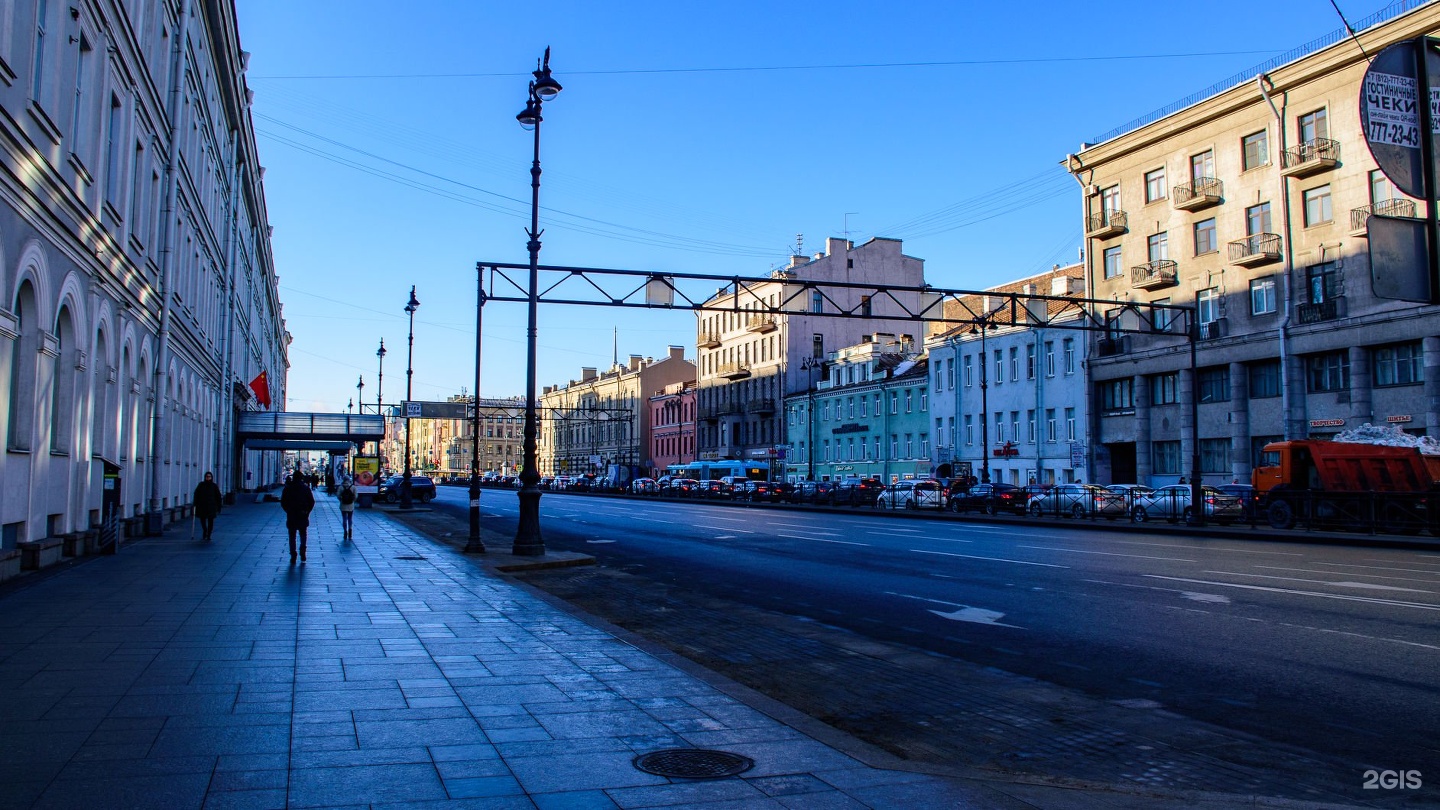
(1112, 346)
(1203, 193)
(1105, 224)
(760, 407)
(1213, 330)
(708, 340)
(761, 323)
(1311, 157)
(1360, 217)
(733, 371)
(1321, 311)
(1256, 249)
(1155, 275)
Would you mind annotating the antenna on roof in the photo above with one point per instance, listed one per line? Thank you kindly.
(799, 244)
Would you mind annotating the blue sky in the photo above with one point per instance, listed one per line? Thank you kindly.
(690, 137)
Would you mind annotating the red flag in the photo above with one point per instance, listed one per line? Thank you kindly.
(261, 386)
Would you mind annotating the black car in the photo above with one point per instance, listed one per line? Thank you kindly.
(758, 491)
(422, 489)
(715, 488)
(856, 492)
(811, 492)
(992, 499)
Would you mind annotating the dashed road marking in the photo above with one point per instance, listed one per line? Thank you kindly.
(1107, 553)
(1364, 585)
(992, 559)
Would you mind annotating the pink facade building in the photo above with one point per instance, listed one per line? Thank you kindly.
(672, 427)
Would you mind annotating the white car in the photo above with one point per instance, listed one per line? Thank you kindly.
(1173, 503)
(912, 494)
(645, 486)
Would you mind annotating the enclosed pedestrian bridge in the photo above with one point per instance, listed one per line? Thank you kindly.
(285, 430)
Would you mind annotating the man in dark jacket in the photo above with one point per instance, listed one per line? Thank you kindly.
(207, 505)
(297, 502)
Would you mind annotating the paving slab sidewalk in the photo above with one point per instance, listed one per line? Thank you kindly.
(390, 671)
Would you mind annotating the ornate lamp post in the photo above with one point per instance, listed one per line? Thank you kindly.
(360, 393)
(473, 544)
(528, 541)
(410, 307)
(984, 326)
(806, 365)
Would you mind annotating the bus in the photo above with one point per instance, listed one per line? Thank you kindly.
(720, 468)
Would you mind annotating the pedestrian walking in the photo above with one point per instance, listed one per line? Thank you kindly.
(297, 502)
(207, 505)
(347, 507)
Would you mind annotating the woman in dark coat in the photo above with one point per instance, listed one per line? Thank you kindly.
(207, 504)
(297, 502)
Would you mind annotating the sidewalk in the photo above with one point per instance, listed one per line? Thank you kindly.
(389, 671)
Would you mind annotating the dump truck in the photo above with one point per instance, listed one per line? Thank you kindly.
(1342, 485)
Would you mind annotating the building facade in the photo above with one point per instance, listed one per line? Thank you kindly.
(672, 427)
(749, 359)
(1008, 403)
(1251, 206)
(138, 295)
(604, 418)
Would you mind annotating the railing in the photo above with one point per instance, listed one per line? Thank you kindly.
(1202, 190)
(1319, 312)
(1388, 208)
(709, 340)
(1255, 245)
(761, 323)
(1159, 273)
(734, 371)
(1106, 222)
(1316, 151)
(760, 406)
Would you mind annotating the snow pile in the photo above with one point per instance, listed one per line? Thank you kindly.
(1390, 436)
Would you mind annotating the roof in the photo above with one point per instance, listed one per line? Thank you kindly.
(970, 307)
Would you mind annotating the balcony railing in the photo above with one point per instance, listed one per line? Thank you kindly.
(1321, 311)
(1106, 224)
(1203, 193)
(1154, 275)
(1259, 248)
(761, 407)
(708, 340)
(1360, 217)
(761, 323)
(733, 371)
(1310, 157)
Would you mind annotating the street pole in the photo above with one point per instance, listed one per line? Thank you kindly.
(410, 307)
(528, 541)
(473, 545)
(1197, 491)
(984, 326)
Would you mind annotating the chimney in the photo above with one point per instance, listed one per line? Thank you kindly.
(1064, 285)
(587, 374)
(1035, 311)
(835, 246)
(796, 261)
(635, 361)
(676, 353)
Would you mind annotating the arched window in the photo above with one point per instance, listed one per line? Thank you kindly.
(22, 370)
(62, 385)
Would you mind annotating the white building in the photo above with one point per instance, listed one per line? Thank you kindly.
(138, 296)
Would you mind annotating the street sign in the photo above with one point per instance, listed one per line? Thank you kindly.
(1077, 455)
(438, 410)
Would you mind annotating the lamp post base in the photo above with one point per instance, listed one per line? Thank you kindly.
(473, 545)
(528, 542)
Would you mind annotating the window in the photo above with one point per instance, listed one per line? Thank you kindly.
(999, 427)
(1050, 425)
(1257, 219)
(1313, 126)
(950, 372)
(1069, 355)
(1158, 246)
(1166, 457)
(1202, 166)
(909, 400)
(1399, 365)
(924, 401)
(1258, 456)
(1214, 383)
(1030, 361)
(1265, 379)
(1205, 241)
(1110, 199)
(817, 301)
(1070, 424)
(1165, 389)
(894, 446)
(939, 382)
(865, 305)
(1215, 456)
(1049, 358)
(999, 366)
(969, 431)
(817, 346)
(909, 445)
(1381, 189)
(1262, 296)
(1323, 282)
(1112, 262)
(1030, 426)
(968, 371)
(1256, 150)
(1117, 395)
(37, 88)
(1155, 188)
(1328, 372)
(1317, 206)
(1015, 426)
(924, 445)
(1014, 364)
(1207, 305)
(894, 402)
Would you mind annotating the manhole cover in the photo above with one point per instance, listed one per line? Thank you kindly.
(410, 558)
(693, 763)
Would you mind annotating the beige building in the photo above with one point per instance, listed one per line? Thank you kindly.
(1251, 206)
(603, 418)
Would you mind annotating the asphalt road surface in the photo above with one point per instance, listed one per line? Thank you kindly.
(1327, 648)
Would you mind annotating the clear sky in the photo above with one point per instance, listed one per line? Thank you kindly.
(691, 137)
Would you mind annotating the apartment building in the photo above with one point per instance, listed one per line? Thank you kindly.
(672, 427)
(138, 294)
(1008, 401)
(1251, 207)
(751, 357)
(603, 418)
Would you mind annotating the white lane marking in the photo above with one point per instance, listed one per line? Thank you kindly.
(965, 613)
(1342, 597)
(1194, 596)
(1189, 548)
(724, 528)
(1212, 598)
(820, 539)
(598, 542)
(1107, 553)
(1415, 562)
(788, 525)
(1365, 585)
(992, 559)
(1371, 576)
(1377, 567)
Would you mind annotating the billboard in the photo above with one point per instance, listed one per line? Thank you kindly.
(367, 474)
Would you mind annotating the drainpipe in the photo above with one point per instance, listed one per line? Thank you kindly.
(1074, 166)
(159, 441)
(1290, 423)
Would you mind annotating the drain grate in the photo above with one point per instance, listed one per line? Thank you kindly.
(413, 557)
(693, 763)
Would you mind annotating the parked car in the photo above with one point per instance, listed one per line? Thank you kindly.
(912, 494)
(645, 486)
(757, 491)
(1131, 492)
(1173, 503)
(1249, 498)
(810, 492)
(1077, 500)
(991, 499)
(715, 488)
(681, 488)
(856, 491)
(422, 489)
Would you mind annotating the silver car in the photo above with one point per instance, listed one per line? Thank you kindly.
(1078, 501)
(912, 494)
(1172, 503)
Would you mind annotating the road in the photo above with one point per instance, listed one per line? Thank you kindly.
(1331, 649)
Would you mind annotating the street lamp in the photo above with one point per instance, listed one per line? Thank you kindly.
(984, 325)
(528, 541)
(360, 393)
(410, 307)
(806, 364)
(473, 544)
(350, 406)
(380, 383)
